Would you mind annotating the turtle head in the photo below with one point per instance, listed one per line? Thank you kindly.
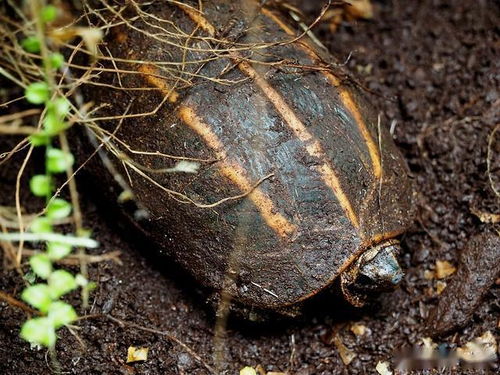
(376, 270)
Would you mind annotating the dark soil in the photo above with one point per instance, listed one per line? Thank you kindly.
(433, 68)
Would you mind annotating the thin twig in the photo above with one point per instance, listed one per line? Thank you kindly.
(17, 130)
(16, 303)
(75, 259)
(77, 216)
(491, 137)
(18, 203)
(18, 115)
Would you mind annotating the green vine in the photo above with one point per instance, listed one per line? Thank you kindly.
(46, 295)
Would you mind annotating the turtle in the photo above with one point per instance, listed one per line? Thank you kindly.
(298, 181)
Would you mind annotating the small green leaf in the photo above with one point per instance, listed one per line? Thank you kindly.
(59, 106)
(57, 110)
(31, 44)
(38, 296)
(61, 313)
(53, 124)
(41, 265)
(49, 13)
(37, 92)
(39, 331)
(56, 60)
(58, 250)
(41, 185)
(58, 209)
(58, 161)
(41, 224)
(60, 283)
(39, 139)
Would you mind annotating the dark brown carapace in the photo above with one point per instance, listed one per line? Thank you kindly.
(299, 179)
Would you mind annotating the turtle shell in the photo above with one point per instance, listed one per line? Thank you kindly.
(298, 176)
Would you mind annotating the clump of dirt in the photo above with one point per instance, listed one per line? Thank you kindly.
(479, 267)
(433, 69)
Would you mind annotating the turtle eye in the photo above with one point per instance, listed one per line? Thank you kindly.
(364, 281)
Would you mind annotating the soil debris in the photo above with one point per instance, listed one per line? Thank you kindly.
(481, 349)
(248, 371)
(444, 269)
(137, 354)
(479, 268)
(383, 368)
(359, 329)
(440, 287)
(486, 217)
(348, 11)
(346, 354)
(428, 348)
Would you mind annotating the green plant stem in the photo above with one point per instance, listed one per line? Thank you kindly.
(47, 173)
(36, 9)
(50, 237)
(56, 366)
